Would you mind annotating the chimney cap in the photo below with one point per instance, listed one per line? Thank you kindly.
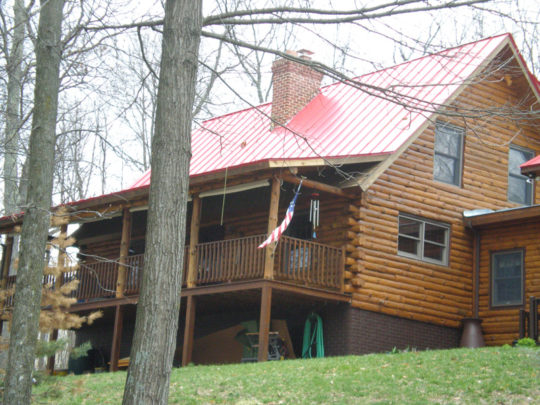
(301, 53)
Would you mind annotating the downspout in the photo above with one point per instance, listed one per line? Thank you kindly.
(476, 270)
(472, 330)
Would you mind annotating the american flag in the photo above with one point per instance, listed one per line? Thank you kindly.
(276, 233)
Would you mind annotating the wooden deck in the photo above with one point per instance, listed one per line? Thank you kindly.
(298, 262)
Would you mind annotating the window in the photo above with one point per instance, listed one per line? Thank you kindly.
(448, 152)
(519, 189)
(507, 278)
(423, 239)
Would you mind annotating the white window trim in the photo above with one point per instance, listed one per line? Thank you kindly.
(420, 256)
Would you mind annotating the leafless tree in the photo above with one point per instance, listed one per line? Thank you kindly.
(12, 41)
(24, 330)
(152, 353)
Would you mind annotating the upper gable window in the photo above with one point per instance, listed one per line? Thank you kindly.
(423, 239)
(519, 189)
(447, 160)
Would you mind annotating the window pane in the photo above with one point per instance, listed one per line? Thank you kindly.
(434, 252)
(507, 292)
(445, 169)
(516, 158)
(408, 245)
(409, 227)
(507, 274)
(434, 233)
(447, 140)
(508, 265)
(519, 190)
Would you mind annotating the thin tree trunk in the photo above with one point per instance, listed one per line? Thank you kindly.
(13, 102)
(24, 331)
(154, 341)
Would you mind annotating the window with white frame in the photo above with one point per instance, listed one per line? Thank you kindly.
(447, 158)
(519, 189)
(507, 278)
(423, 239)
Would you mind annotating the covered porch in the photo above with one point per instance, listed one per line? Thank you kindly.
(224, 229)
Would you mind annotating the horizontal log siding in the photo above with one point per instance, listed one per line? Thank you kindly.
(382, 281)
(501, 326)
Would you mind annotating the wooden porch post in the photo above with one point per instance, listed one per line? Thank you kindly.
(50, 360)
(272, 224)
(124, 252)
(187, 349)
(193, 241)
(62, 257)
(264, 322)
(6, 262)
(117, 337)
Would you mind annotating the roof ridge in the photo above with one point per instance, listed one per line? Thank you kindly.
(421, 57)
(370, 73)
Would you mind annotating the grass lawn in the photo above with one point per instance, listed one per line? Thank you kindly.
(501, 375)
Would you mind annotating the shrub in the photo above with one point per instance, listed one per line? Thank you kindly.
(526, 342)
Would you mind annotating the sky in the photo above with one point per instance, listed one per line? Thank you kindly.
(362, 47)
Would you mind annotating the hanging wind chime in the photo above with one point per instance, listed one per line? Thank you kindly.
(314, 214)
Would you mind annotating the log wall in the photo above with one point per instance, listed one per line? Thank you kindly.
(384, 282)
(501, 325)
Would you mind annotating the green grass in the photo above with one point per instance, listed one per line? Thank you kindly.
(501, 375)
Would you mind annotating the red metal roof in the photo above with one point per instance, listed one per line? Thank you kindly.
(374, 118)
(531, 166)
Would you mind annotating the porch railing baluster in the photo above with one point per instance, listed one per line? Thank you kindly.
(300, 261)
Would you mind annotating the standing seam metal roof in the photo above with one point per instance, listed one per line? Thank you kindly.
(374, 115)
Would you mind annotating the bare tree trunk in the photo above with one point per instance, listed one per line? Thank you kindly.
(13, 102)
(18, 383)
(154, 341)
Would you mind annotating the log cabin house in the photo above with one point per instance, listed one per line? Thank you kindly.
(393, 159)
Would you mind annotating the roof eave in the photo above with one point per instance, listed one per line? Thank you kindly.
(502, 216)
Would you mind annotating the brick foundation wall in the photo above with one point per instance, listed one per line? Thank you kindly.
(349, 330)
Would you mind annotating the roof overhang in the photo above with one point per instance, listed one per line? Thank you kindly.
(111, 205)
(482, 218)
(531, 168)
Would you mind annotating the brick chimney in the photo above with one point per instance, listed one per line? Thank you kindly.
(294, 85)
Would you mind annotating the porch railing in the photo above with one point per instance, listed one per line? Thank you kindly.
(230, 260)
(96, 280)
(309, 263)
(529, 320)
(299, 261)
(135, 266)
